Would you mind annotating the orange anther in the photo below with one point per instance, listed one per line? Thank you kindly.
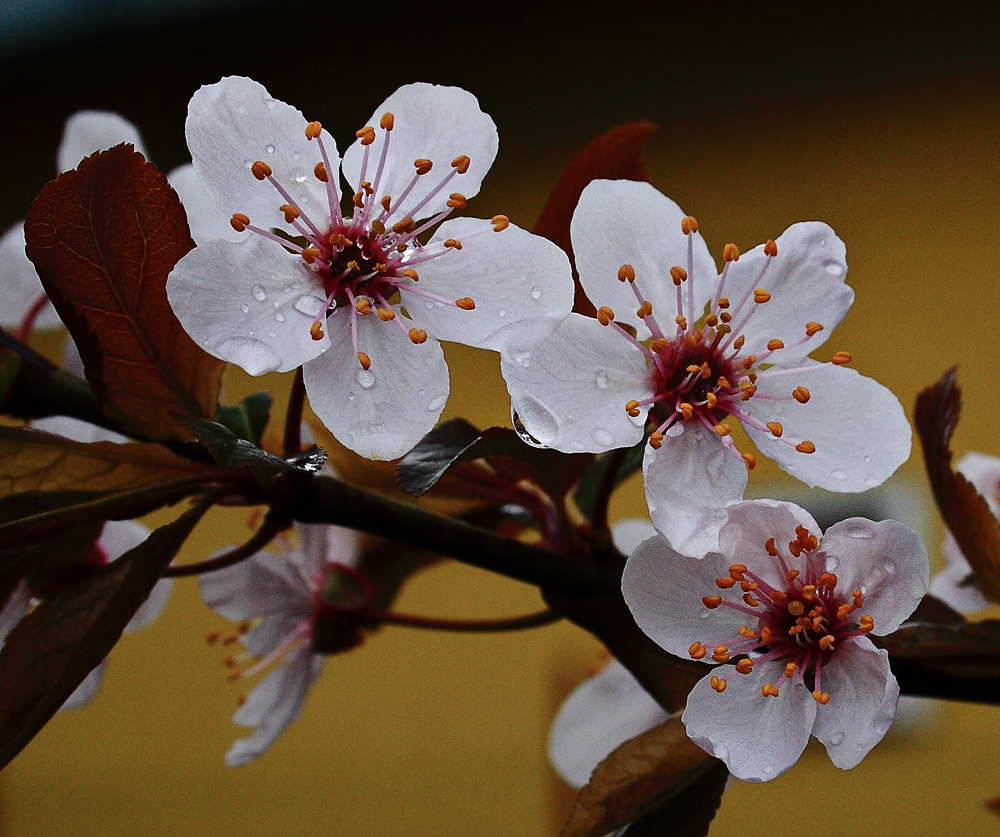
(750, 460)
(386, 202)
(422, 165)
(774, 344)
(290, 212)
(466, 303)
(404, 226)
(313, 130)
(366, 135)
(748, 586)
(689, 225)
(363, 305)
(711, 321)
(738, 342)
(731, 253)
(767, 690)
(456, 200)
(239, 222)
(809, 592)
(500, 222)
(387, 121)
(725, 582)
(723, 302)
(790, 670)
(260, 170)
(822, 698)
(737, 571)
(321, 174)
(678, 274)
(697, 650)
(761, 296)
(826, 642)
(726, 317)
(775, 428)
(645, 309)
(720, 657)
(770, 248)
(770, 548)
(626, 273)
(813, 328)
(461, 163)
(453, 244)
(795, 548)
(806, 447)
(718, 684)
(801, 394)
(365, 361)
(605, 315)
(632, 408)
(359, 199)
(418, 335)
(840, 358)
(316, 331)
(778, 596)
(386, 314)
(655, 440)
(744, 666)
(309, 254)
(750, 600)
(712, 602)
(765, 635)
(686, 410)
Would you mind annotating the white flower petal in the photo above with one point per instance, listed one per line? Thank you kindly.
(757, 737)
(511, 276)
(628, 534)
(78, 431)
(205, 220)
(886, 560)
(955, 585)
(264, 584)
(274, 704)
(858, 426)
(15, 610)
(88, 131)
(235, 122)
(570, 390)
(984, 473)
(323, 544)
(20, 284)
(150, 610)
(806, 283)
(241, 301)
(119, 536)
(87, 688)
(433, 123)
(602, 713)
(689, 482)
(752, 524)
(621, 222)
(664, 591)
(384, 411)
(863, 694)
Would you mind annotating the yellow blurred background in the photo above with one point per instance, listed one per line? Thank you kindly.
(884, 123)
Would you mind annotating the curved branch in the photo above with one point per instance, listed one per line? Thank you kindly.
(262, 537)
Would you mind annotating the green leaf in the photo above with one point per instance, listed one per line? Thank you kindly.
(248, 418)
(433, 455)
(56, 646)
(642, 777)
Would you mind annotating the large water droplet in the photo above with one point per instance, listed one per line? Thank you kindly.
(704, 613)
(269, 148)
(436, 403)
(309, 305)
(602, 437)
(254, 356)
(534, 422)
(279, 317)
(601, 379)
(257, 292)
(536, 292)
(366, 378)
(836, 738)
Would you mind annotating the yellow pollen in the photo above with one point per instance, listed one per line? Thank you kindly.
(775, 428)
(723, 429)
(867, 624)
(801, 394)
(386, 202)
(723, 382)
(626, 273)
(726, 317)
(790, 670)
(418, 336)
(290, 212)
(655, 440)
(822, 698)
(718, 684)
(711, 321)
(750, 460)
(697, 650)
(778, 596)
(461, 163)
(748, 393)
(359, 199)
(750, 600)
(770, 548)
(422, 165)
(500, 223)
(774, 345)
(731, 253)
(386, 314)
(720, 657)
(795, 548)
(748, 586)
(366, 135)
(808, 592)
(453, 244)
(705, 370)
(689, 225)
(466, 303)
(309, 255)
(367, 187)
(840, 358)
(746, 632)
(605, 315)
(678, 274)
(826, 642)
(771, 249)
(687, 410)
(456, 200)
(767, 690)
(239, 222)
(363, 305)
(806, 447)
(260, 170)
(404, 226)
(844, 611)
(661, 343)
(813, 328)
(316, 331)
(749, 361)
(712, 602)
(711, 398)
(313, 130)
(723, 302)
(365, 361)
(760, 296)
(694, 369)
(744, 666)
(378, 227)
(738, 342)
(387, 121)
(796, 608)
(645, 309)
(827, 579)
(765, 635)
(791, 575)
(632, 408)
(725, 582)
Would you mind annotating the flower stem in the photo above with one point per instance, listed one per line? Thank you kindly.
(515, 623)
(272, 525)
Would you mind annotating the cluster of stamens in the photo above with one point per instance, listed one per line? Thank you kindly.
(359, 261)
(800, 622)
(698, 372)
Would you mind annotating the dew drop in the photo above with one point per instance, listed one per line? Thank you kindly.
(502, 312)
(832, 562)
(350, 396)
(834, 269)
(254, 356)
(889, 568)
(859, 747)
(257, 292)
(297, 176)
(838, 475)
(244, 308)
(534, 422)
(836, 738)
(602, 437)
(601, 379)
(366, 378)
(536, 292)
(436, 403)
(857, 531)
(704, 614)
(768, 770)
(311, 306)
(279, 317)
(269, 148)
(524, 359)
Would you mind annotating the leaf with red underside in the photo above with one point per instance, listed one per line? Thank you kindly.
(963, 508)
(56, 646)
(103, 239)
(614, 155)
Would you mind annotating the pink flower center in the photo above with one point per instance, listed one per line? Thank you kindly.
(800, 622)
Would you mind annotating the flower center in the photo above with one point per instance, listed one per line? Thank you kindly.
(800, 622)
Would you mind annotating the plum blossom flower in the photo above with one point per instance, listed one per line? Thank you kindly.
(687, 350)
(956, 583)
(607, 709)
(784, 611)
(276, 596)
(85, 132)
(358, 299)
(117, 538)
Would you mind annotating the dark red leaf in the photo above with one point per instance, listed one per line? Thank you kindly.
(103, 238)
(614, 155)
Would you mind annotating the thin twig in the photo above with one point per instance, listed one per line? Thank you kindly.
(514, 623)
(262, 537)
(293, 418)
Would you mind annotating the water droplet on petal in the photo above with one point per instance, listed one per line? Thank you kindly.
(838, 475)
(297, 176)
(244, 308)
(834, 269)
(269, 148)
(366, 378)
(270, 103)
(534, 422)
(309, 305)
(832, 562)
(350, 396)
(536, 292)
(502, 312)
(704, 614)
(603, 437)
(436, 403)
(279, 317)
(601, 379)
(768, 770)
(889, 568)
(257, 292)
(254, 356)
(524, 359)
(856, 530)
(836, 738)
